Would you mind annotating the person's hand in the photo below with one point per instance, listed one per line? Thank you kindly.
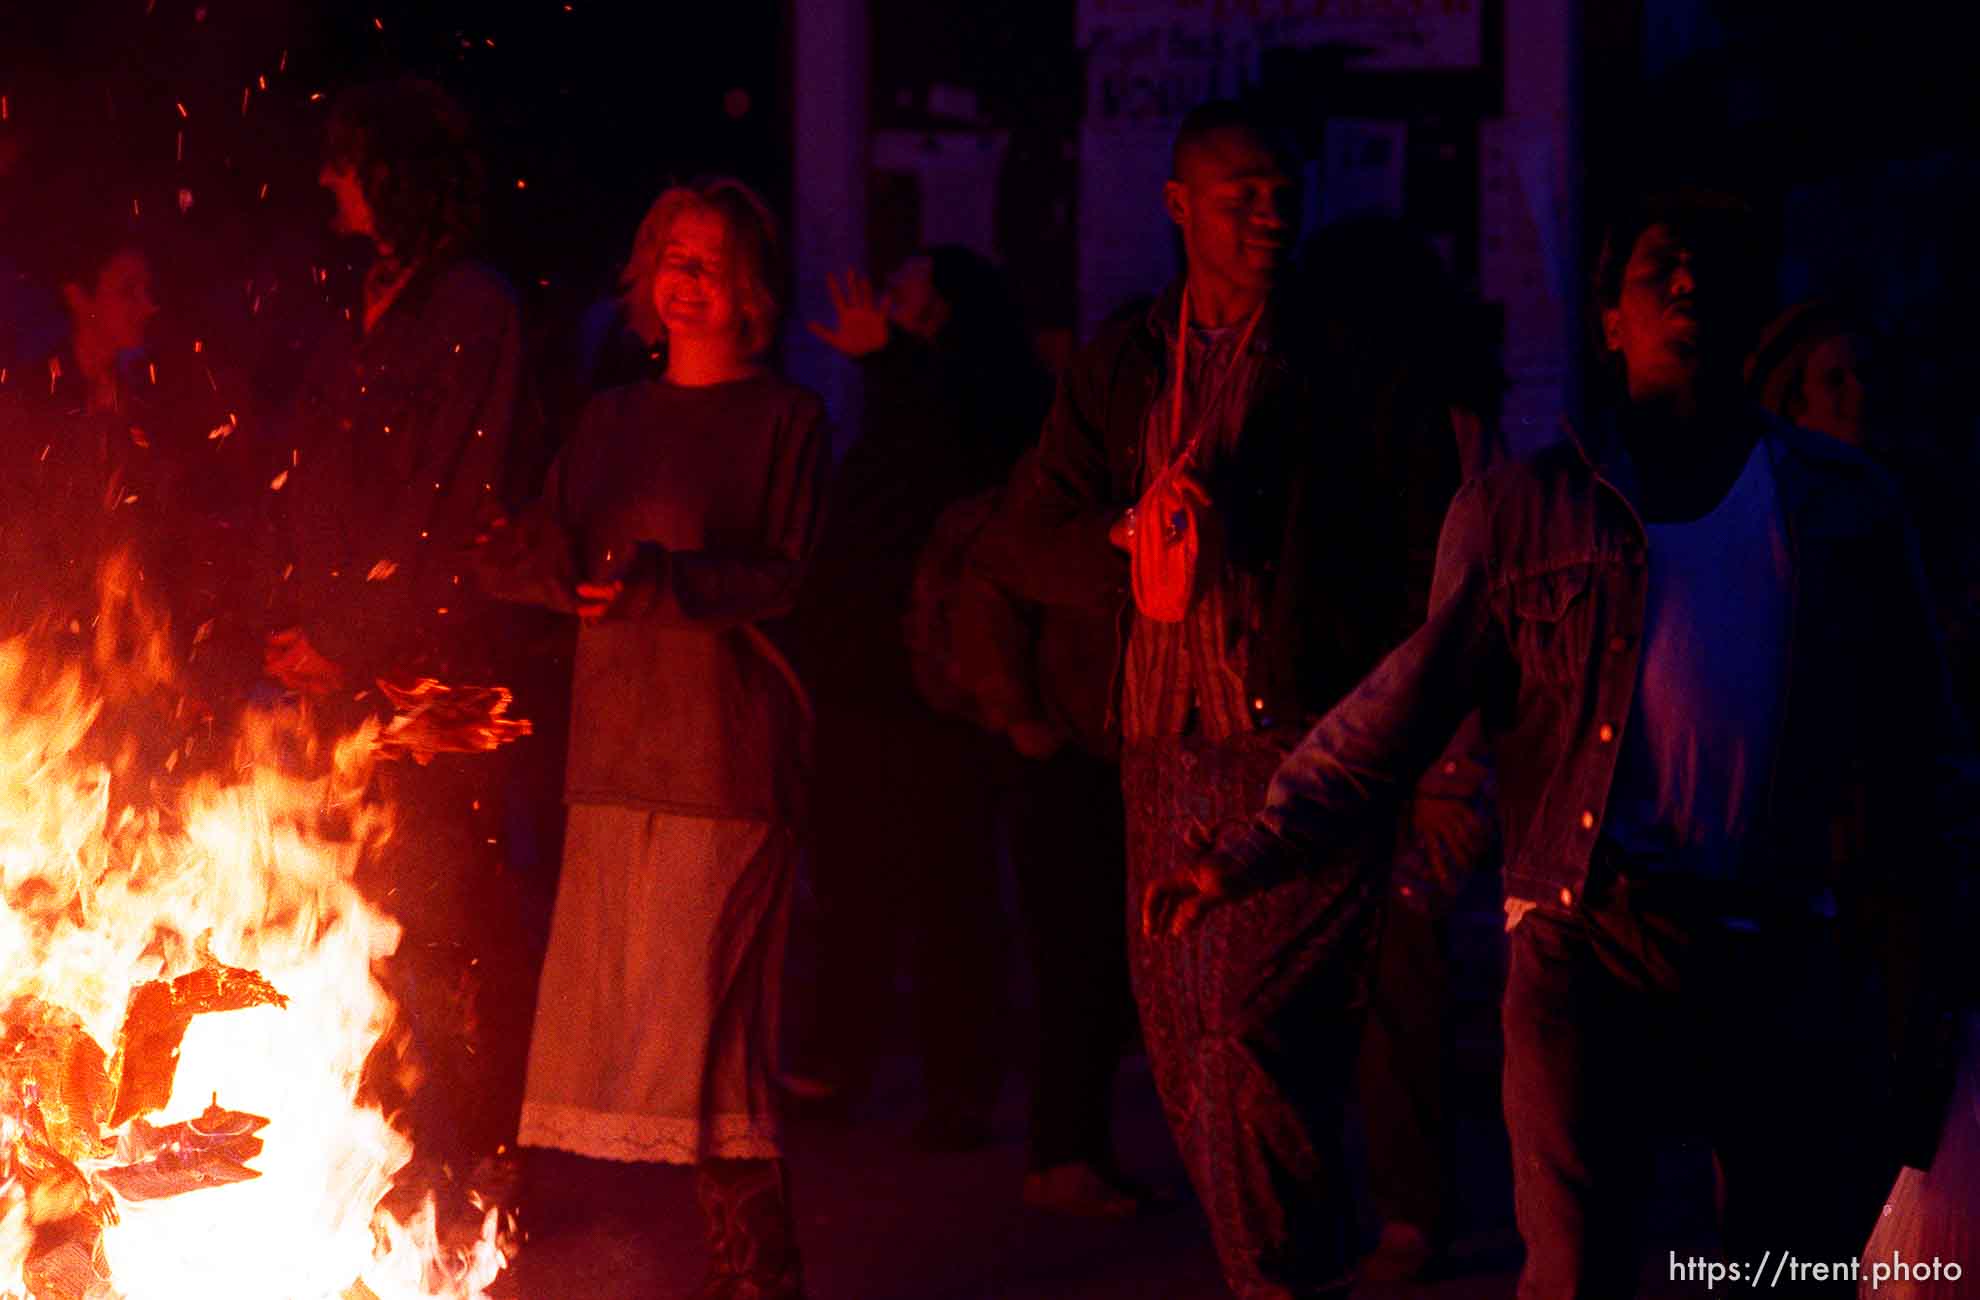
(594, 598)
(290, 659)
(1122, 533)
(1173, 905)
(861, 328)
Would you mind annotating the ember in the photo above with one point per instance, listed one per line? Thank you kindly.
(188, 998)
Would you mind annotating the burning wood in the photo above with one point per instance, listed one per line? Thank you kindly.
(156, 1022)
(432, 718)
(220, 1155)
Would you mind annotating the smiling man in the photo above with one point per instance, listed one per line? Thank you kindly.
(1300, 583)
(1733, 785)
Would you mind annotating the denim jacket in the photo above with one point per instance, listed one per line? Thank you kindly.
(1537, 614)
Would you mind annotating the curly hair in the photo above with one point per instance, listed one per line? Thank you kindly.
(756, 261)
(1723, 223)
(410, 145)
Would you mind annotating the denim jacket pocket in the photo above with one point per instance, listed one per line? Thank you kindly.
(1552, 615)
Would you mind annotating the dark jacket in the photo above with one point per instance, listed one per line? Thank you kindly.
(1340, 528)
(1022, 661)
(396, 458)
(938, 427)
(1536, 620)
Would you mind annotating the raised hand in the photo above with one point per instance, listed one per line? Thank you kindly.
(861, 327)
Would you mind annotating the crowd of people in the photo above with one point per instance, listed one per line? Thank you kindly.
(1242, 643)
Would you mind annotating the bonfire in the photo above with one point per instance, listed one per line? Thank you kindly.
(187, 988)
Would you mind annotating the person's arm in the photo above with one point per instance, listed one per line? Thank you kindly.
(1364, 757)
(1451, 827)
(533, 560)
(996, 653)
(1049, 542)
(731, 586)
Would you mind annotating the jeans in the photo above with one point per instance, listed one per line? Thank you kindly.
(1625, 1017)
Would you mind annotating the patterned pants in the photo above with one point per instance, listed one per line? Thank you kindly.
(1252, 1021)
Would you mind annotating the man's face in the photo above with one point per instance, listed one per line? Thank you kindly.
(1236, 207)
(1679, 311)
(694, 290)
(119, 306)
(353, 215)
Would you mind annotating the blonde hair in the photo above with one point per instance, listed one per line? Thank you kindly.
(755, 261)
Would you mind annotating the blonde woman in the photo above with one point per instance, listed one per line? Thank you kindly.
(676, 520)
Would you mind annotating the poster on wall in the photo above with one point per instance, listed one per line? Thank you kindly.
(1362, 170)
(958, 173)
(1148, 62)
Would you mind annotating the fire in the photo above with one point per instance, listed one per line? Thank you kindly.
(217, 911)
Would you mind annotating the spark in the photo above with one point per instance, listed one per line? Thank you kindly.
(182, 110)
(245, 92)
(275, 484)
(379, 23)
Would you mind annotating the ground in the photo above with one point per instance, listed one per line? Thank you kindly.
(881, 1221)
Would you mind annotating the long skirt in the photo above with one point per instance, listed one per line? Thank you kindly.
(1252, 1021)
(657, 1018)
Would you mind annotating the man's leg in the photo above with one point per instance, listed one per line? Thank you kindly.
(855, 866)
(1575, 1057)
(1404, 1067)
(1067, 845)
(1794, 1115)
(947, 793)
(1251, 1024)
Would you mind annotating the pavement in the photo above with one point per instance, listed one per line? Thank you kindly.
(879, 1220)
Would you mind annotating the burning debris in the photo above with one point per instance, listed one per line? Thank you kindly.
(430, 717)
(188, 998)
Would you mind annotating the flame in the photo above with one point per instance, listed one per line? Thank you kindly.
(122, 892)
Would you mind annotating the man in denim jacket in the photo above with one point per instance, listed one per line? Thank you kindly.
(1731, 780)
